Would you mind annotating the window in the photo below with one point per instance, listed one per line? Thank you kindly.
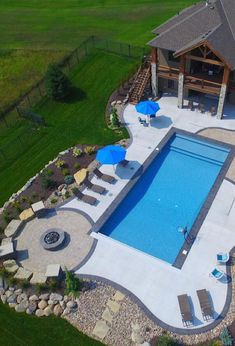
(171, 84)
(171, 57)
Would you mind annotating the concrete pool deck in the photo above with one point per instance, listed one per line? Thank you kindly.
(154, 282)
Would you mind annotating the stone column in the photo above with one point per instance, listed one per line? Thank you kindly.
(181, 90)
(223, 92)
(222, 97)
(154, 79)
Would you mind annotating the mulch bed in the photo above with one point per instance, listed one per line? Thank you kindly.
(36, 192)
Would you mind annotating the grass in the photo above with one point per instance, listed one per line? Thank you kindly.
(46, 26)
(78, 120)
(19, 329)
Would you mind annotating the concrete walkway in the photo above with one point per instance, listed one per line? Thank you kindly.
(154, 282)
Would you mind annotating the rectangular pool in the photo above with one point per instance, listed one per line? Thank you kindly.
(167, 196)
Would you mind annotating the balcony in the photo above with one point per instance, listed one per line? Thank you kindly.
(168, 72)
(202, 85)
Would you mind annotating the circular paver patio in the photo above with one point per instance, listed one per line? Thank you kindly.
(78, 243)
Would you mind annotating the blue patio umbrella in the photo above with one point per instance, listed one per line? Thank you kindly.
(111, 154)
(147, 107)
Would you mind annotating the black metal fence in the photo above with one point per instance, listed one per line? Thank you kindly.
(9, 115)
(20, 112)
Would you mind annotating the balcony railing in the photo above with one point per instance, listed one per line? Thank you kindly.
(202, 85)
(168, 72)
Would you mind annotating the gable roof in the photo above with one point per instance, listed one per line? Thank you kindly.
(212, 24)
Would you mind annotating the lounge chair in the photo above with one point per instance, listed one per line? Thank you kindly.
(205, 304)
(190, 105)
(105, 177)
(96, 188)
(217, 274)
(142, 122)
(185, 309)
(222, 257)
(85, 198)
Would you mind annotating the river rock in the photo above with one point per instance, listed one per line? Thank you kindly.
(56, 296)
(66, 299)
(42, 304)
(44, 296)
(12, 298)
(34, 297)
(12, 305)
(12, 289)
(66, 312)
(71, 304)
(48, 311)
(52, 302)
(21, 297)
(18, 291)
(32, 307)
(8, 293)
(3, 298)
(58, 310)
(39, 313)
(22, 306)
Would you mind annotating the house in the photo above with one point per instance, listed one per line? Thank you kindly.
(193, 53)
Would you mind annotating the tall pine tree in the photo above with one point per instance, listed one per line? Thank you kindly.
(57, 83)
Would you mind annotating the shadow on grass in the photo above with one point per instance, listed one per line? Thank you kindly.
(75, 95)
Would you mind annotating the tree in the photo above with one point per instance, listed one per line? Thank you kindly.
(57, 83)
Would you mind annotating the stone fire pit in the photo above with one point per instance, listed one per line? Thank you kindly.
(52, 239)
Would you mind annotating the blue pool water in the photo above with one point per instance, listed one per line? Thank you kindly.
(167, 196)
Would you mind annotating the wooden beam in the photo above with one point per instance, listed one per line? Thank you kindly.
(182, 64)
(226, 75)
(154, 55)
(205, 60)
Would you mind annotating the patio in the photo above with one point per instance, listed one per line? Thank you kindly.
(148, 278)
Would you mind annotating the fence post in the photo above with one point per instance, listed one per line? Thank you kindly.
(129, 50)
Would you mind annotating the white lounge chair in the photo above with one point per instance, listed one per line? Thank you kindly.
(222, 257)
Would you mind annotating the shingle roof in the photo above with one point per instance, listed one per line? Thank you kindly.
(213, 23)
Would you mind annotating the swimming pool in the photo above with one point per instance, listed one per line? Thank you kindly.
(168, 195)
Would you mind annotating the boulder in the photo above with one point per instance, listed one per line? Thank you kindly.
(26, 214)
(8, 293)
(80, 176)
(42, 304)
(57, 310)
(31, 308)
(12, 305)
(21, 297)
(71, 304)
(48, 311)
(56, 296)
(3, 298)
(12, 298)
(52, 302)
(62, 304)
(66, 299)
(22, 306)
(38, 278)
(39, 313)
(44, 296)
(66, 312)
(12, 289)
(18, 291)
(61, 187)
(34, 297)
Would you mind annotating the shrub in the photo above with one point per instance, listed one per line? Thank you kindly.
(24, 199)
(34, 195)
(60, 163)
(40, 287)
(114, 118)
(77, 165)
(89, 150)
(215, 343)
(24, 283)
(4, 273)
(68, 179)
(67, 194)
(74, 190)
(226, 338)
(65, 171)
(53, 285)
(48, 183)
(54, 200)
(12, 281)
(166, 340)
(72, 283)
(77, 152)
(17, 206)
(58, 85)
(6, 216)
(48, 172)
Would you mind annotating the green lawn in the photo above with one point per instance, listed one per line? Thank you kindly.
(65, 23)
(46, 26)
(22, 330)
(79, 120)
